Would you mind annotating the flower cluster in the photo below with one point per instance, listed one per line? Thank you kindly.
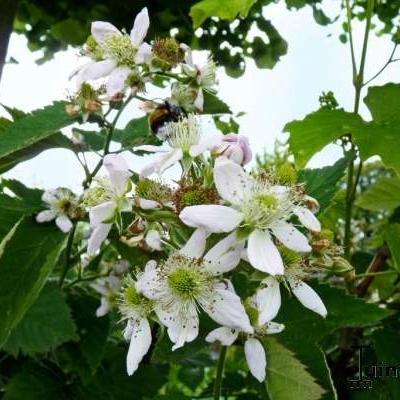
(199, 229)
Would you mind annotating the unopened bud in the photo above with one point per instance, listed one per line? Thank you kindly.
(236, 148)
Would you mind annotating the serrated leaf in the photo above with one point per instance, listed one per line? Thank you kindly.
(214, 105)
(224, 9)
(46, 325)
(382, 195)
(322, 183)
(287, 377)
(33, 128)
(136, 132)
(28, 254)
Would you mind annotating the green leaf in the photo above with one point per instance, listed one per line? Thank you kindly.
(383, 195)
(317, 130)
(33, 128)
(136, 132)
(46, 325)
(213, 105)
(323, 183)
(223, 9)
(28, 255)
(287, 377)
(384, 102)
(392, 237)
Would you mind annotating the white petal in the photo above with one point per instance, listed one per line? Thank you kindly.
(96, 70)
(199, 100)
(140, 27)
(139, 345)
(104, 307)
(268, 300)
(231, 180)
(226, 309)
(119, 173)
(102, 30)
(273, 328)
(50, 196)
(195, 246)
(214, 218)
(116, 81)
(145, 204)
(102, 212)
(148, 280)
(293, 239)
(153, 239)
(263, 254)
(208, 143)
(307, 296)
(226, 336)
(45, 216)
(150, 148)
(168, 160)
(229, 243)
(280, 192)
(255, 357)
(128, 330)
(143, 54)
(97, 237)
(307, 218)
(64, 223)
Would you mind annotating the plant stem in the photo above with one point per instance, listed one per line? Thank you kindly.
(378, 273)
(68, 249)
(220, 370)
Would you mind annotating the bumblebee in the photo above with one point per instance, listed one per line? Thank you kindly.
(164, 113)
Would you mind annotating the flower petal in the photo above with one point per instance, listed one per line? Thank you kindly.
(97, 237)
(272, 328)
(293, 239)
(205, 144)
(104, 307)
(140, 27)
(102, 30)
(95, 71)
(268, 300)
(45, 216)
(116, 81)
(147, 281)
(150, 148)
(231, 180)
(195, 246)
(307, 218)
(139, 345)
(226, 336)
(119, 173)
(102, 212)
(226, 309)
(143, 54)
(146, 204)
(199, 100)
(168, 160)
(307, 296)
(64, 223)
(255, 357)
(263, 254)
(213, 218)
(153, 240)
(229, 243)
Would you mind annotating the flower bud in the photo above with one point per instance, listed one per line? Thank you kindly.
(236, 148)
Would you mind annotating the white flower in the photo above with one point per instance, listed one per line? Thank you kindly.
(152, 239)
(102, 215)
(253, 349)
(270, 296)
(185, 142)
(108, 288)
(205, 76)
(236, 148)
(258, 209)
(121, 53)
(62, 202)
(187, 282)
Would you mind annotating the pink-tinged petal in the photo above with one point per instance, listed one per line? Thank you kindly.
(119, 173)
(116, 81)
(102, 30)
(143, 54)
(140, 27)
(139, 345)
(95, 71)
(213, 218)
(268, 300)
(263, 254)
(45, 216)
(226, 336)
(289, 236)
(188, 54)
(195, 246)
(307, 296)
(97, 237)
(231, 180)
(307, 218)
(64, 223)
(102, 212)
(199, 100)
(104, 307)
(255, 357)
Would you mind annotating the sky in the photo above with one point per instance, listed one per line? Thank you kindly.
(316, 61)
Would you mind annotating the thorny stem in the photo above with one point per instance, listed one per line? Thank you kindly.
(68, 249)
(220, 370)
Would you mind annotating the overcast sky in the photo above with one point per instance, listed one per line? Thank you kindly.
(316, 61)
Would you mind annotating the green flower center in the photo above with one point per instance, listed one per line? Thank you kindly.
(252, 313)
(132, 297)
(184, 282)
(64, 205)
(259, 211)
(121, 50)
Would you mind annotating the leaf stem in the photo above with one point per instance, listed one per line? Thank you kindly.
(220, 370)
(68, 249)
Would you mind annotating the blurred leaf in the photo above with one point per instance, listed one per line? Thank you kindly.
(28, 254)
(69, 31)
(224, 9)
(31, 197)
(213, 105)
(320, 17)
(392, 237)
(287, 377)
(46, 325)
(136, 132)
(323, 183)
(384, 194)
